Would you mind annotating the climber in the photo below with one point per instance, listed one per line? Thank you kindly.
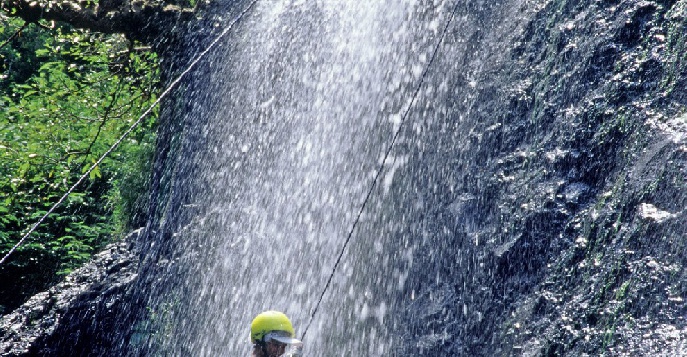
(273, 335)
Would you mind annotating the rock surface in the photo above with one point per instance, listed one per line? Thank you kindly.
(68, 319)
(577, 167)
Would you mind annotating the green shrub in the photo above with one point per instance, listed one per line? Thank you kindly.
(66, 96)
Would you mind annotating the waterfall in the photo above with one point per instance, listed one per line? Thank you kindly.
(285, 127)
(524, 206)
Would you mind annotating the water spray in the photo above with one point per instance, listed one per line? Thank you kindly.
(381, 169)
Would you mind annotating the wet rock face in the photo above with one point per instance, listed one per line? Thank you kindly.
(612, 271)
(69, 318)
(575, 191)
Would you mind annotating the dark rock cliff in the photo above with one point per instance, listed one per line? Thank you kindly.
(77, 316)
(566, 208)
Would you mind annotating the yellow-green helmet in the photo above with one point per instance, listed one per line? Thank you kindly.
(267, 322)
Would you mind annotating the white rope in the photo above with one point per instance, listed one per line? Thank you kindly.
(128, 131)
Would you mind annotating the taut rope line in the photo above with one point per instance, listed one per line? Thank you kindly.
(131, 128)
(381, 168)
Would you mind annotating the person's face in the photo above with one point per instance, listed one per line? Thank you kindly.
(275, 349)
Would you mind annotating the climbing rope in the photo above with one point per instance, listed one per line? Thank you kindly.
(130, 129)
(381, 168)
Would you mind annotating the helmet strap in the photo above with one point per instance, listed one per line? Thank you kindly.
(263, 347)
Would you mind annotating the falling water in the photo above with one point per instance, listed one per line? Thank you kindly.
(286, 125)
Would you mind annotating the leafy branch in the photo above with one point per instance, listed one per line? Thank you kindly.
(104, 120)
(16, 33)
(142, 20)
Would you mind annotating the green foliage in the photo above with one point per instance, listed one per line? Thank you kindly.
(66, 96)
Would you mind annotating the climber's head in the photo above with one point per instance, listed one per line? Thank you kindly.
(272, 334)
